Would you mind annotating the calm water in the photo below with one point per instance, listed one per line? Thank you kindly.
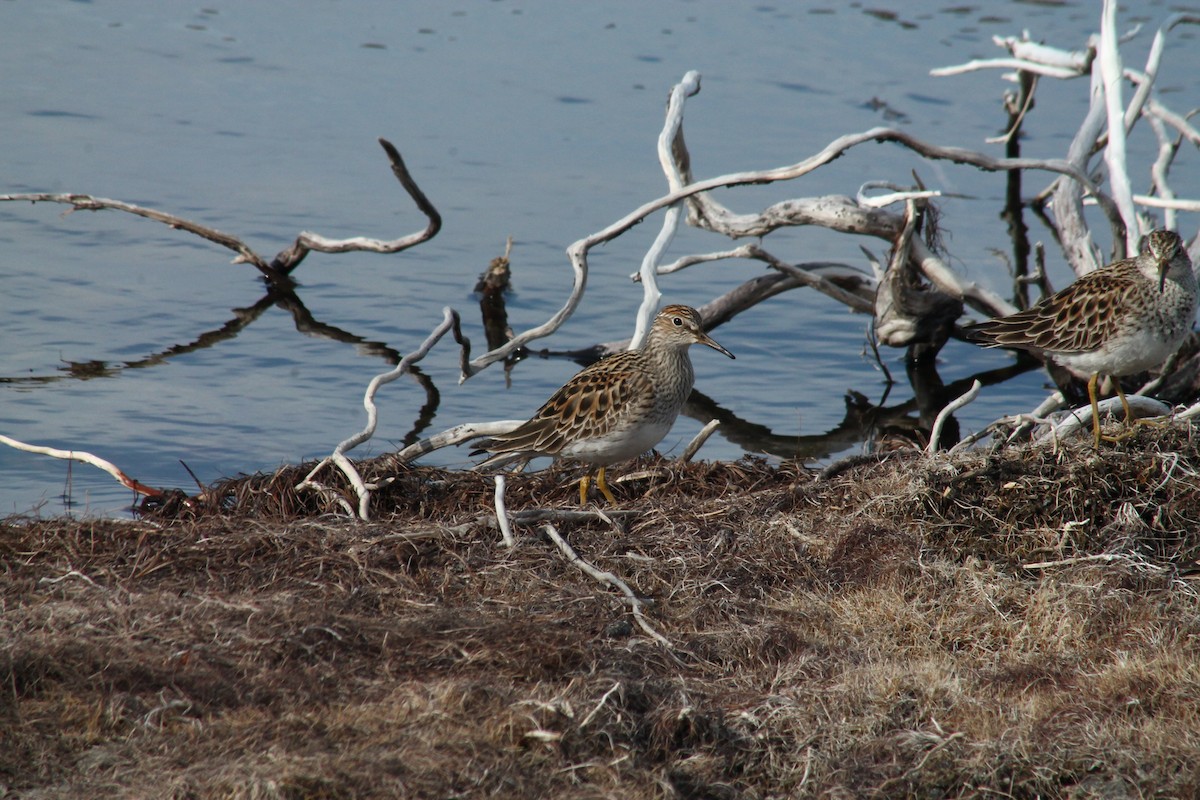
(535, 120)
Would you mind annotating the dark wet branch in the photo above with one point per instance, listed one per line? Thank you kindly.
(85, 202)
(278, 270)
(289, 259)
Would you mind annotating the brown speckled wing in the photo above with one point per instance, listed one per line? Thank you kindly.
(591, 404)
(1077, 319)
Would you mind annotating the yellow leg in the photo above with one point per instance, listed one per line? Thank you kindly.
(1129, 420)
(1124, 403)
(1131, 423)
(603, 484)
(1095, 407)
(584, 483)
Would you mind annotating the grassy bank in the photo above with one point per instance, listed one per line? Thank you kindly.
(1015, 623)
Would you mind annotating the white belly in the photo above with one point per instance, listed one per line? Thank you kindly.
(618, 445)
(1135, 352)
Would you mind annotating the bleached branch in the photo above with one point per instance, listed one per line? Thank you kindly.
(84, 457)
(1019, 64)
(1082, 417)
(85, 202)
(939, 422)
(450, 322)
(1109, 56)
(502, 513)
(698, 441)
(673, 217)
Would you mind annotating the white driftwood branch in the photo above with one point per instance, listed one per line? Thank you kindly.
(1176, 121)
(1005, 63)
(1176, 204)
(1111, 73)
(1025, 49)
(701, 258)
(698, 441)
(502, 513)
(935, 434)
(456, 435)
(673, 217)
(1082, 417)
(84, 457)
(891, 198)
(450, 322)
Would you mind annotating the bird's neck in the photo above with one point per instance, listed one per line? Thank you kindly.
(670, 357)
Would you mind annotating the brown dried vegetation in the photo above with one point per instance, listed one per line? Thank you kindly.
(1019, 622)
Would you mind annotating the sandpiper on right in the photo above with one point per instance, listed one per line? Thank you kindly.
(1122, 319)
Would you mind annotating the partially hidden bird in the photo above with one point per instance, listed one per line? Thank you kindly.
(615, 409)
(1119, 320)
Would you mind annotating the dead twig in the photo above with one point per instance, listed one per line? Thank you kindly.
(608, 579)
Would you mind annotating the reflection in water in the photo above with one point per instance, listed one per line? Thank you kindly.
(283, 297)
(865, 425)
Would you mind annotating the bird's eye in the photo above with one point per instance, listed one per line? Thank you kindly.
(678, 321)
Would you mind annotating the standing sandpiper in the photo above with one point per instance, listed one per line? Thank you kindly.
(1119, 320)
(615, 409)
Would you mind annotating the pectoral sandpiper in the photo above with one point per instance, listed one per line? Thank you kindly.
(1120, 320)
(615, 409)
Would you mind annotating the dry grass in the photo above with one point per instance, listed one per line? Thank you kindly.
(1015, 624)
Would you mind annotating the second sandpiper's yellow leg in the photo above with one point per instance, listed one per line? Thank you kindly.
(1092, 381)
(603, 484)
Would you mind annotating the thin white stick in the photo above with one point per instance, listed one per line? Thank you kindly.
(1020, 64)
(1029, 50)
(1178, 204)
(89, 203)
(502, 513)
(935, 435)
(610, 579)
(684, 262)
(1066, 562)
(893, 197)
(1176, 121)
(84, 457)
(1167, 149)
(599, 705)
(1153, 61)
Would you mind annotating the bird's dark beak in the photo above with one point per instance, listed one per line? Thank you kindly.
(711, 342)
(1164, 266)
